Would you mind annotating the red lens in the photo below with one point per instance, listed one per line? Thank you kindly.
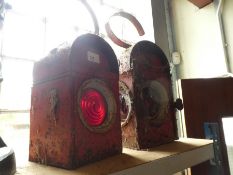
(93, 107)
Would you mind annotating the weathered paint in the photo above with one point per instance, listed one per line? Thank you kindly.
(58, 137)
(152, 121)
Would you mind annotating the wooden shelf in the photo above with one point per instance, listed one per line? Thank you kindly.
(162, 160)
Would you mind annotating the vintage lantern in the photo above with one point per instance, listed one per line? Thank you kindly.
(146, 100)
(75, 115)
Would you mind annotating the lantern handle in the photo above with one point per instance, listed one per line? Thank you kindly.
(132, 19)
(93, 16)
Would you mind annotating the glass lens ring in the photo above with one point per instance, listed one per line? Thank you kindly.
(97, 107)
(94, 107)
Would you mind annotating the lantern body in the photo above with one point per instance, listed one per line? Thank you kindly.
(147, 107)
(75, 105)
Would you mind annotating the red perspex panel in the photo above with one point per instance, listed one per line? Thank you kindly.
(147, 107)
(201, 3)
(75, 116)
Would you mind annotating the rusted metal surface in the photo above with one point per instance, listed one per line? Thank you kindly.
(152, 119)
(58, 136)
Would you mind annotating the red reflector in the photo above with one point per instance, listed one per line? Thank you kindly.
(93, 107)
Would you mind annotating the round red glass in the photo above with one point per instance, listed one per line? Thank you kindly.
(93, 107)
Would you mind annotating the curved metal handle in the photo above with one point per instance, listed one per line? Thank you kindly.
(93, 16)
(132, 19)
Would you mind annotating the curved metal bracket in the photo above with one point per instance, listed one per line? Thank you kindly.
(93, 16)
(132, 19)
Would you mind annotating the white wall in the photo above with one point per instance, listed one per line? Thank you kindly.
(197, 38)
(228, 26)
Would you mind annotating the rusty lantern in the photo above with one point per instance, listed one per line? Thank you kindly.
(146, 101)
(75, 115)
